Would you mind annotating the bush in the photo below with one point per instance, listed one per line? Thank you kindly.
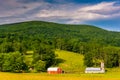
(40, 66)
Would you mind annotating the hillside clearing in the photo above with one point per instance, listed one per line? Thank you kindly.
(72, 62)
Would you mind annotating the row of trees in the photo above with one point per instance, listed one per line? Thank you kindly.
(109, 55)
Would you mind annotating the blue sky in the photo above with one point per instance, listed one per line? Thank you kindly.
(101, 13)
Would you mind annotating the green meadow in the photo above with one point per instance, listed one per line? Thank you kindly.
(72, 62)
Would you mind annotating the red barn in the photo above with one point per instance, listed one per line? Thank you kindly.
(54, 70)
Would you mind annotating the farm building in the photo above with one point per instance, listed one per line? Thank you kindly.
(54, 70)
(95, 70)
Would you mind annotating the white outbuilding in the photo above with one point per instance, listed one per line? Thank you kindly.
(95, 70)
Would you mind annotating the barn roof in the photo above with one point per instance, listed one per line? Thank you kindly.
(93, 69)
(53, 69)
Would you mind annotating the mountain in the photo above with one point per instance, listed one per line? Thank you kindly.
(49, 30)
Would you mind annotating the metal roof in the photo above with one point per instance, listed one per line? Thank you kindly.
(53, 69)
(93, 69)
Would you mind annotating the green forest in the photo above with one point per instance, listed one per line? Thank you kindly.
(43, 38)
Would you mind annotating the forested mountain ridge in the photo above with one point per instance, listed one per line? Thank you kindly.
(43, 38)
(54, 30)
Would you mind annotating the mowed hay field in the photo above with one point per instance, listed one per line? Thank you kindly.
(72, 64)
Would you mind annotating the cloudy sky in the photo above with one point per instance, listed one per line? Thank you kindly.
(101, 13)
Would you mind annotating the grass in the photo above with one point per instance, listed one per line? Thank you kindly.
(29, 57)
(72, 62)
(45, 76)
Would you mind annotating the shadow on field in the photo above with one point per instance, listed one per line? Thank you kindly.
(58, 61)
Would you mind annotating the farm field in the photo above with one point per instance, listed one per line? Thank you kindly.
(45, 76)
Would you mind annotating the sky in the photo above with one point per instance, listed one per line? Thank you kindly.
(102, 13)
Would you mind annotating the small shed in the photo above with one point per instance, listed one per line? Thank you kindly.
(54, 70)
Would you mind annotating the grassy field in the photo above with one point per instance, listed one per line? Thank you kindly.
(72, 62)
(45, 76)
(29, 57)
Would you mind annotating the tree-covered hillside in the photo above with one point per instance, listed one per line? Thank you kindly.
(49, 30)
(41, 37)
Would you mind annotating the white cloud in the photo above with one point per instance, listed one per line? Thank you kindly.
(102, 10)
(100, 6)
(13, 8)
(52, 13)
